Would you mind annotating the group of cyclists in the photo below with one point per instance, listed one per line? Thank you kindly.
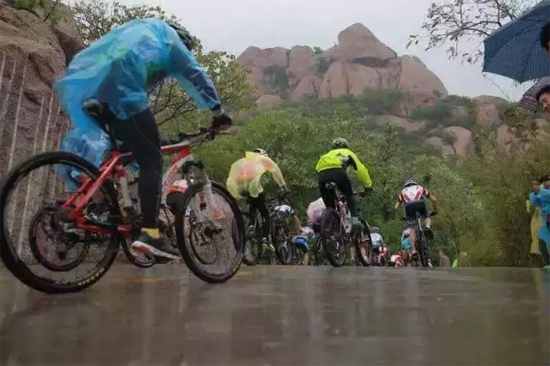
(121, 67)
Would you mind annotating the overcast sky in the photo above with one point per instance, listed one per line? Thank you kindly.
(233, 25)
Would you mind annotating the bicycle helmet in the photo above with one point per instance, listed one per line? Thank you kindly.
(374, 230)
(185, 36)
(260, 151)
(339, 143)
(409, 182)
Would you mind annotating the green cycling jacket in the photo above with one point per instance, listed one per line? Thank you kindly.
(335, 159)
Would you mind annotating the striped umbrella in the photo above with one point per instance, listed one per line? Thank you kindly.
(529, 100)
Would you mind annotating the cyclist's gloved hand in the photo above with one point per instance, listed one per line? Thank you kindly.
(220, 119)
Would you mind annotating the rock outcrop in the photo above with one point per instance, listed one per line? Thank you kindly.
(359, 61)
(33, 54)
(267, 101)
(410, 126)
(358, 44)
(464, 144)
(301, 62)
(438, 144)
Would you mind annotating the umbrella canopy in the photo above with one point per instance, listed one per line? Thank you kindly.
(529, 99)
(514, 49)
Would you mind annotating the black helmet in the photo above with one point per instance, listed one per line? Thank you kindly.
(339, 143)
(260, 151)
(185, 36)
(409, 182)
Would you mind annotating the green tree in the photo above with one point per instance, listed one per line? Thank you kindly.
(450, 22)
(173, 108)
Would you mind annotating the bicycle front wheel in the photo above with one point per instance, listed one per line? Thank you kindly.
(333, 238)
(212, 249)
(39, 244)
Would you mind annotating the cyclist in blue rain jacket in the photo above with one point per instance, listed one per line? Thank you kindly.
(118, 70)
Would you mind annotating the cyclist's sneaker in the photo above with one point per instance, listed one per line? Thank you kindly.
(267, 245)
(156, 247)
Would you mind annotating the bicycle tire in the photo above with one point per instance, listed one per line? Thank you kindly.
(422, 250)
(182, 240)
(11, 260)
(331, 214)
(279, 229)
(252, 260)
(366, 231)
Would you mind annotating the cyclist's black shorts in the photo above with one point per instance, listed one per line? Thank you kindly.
(413, 208)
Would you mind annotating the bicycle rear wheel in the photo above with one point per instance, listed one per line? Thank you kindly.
(31, 214)
(333, 238)
(213, 255)
(254, 246)
(283, 246)
(422, 249)
(362, 240)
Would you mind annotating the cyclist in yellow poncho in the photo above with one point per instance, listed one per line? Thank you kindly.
(244, 182)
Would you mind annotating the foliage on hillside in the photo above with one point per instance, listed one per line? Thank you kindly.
(482, 198)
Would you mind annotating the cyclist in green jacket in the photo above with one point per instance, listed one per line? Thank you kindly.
(332, 167)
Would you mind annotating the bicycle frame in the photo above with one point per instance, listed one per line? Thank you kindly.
(114, 166)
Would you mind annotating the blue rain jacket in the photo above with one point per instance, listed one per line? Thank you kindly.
(124, 64)
(92, 146)
(542, 200)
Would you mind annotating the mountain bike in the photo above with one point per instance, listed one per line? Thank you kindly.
(422, 242)
(278, 233)
(62, 215)
(337, 234)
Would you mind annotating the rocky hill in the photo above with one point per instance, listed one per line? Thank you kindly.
(359, 60)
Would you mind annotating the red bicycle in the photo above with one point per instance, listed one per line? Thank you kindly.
(98, 216)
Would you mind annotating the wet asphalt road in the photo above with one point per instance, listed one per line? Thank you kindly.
(284, 316)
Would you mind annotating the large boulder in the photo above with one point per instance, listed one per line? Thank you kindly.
(410, 126)
(487, 114)
(301, 62)
(417, 98)
(464, 144)
(266, 102)
(358, 43)
(505, 136)
(490, 99)
(263, 59)
(460, 114)
(309, 85)
(335, 82)
(438, 144)
(415, 75)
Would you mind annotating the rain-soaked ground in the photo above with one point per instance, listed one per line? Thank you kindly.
(284, 316)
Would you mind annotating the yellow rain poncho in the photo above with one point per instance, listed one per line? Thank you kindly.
(245, 174)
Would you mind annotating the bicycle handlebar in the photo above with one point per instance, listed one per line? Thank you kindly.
(207, 132)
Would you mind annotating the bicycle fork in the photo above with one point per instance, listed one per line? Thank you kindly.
(207, 209)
